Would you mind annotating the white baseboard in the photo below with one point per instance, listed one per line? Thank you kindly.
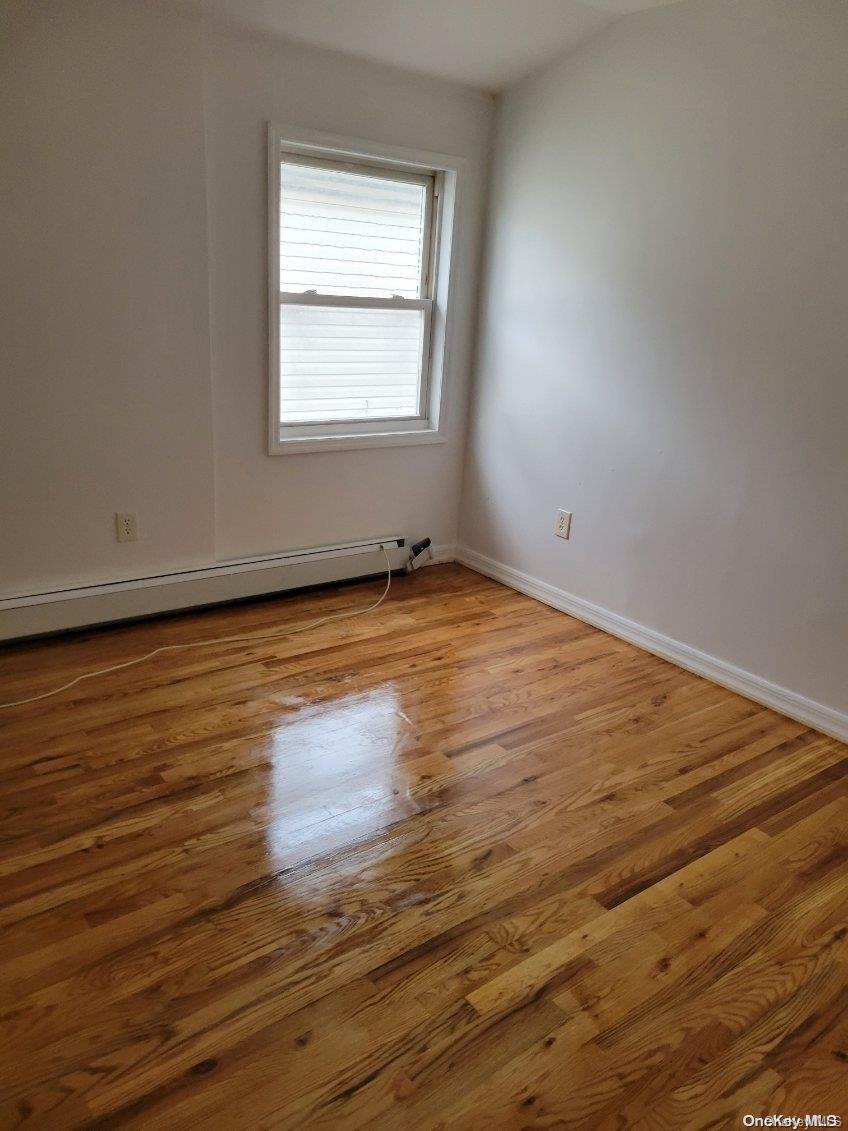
(38, 613)
(763, 691)
(441, 555)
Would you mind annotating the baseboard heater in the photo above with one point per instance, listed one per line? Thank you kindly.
(37, 613)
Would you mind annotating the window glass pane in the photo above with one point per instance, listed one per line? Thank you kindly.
(350, 234)
(343, 363)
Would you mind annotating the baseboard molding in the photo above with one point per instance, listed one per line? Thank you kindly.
(762, 691)
(441, 555)
(41, 613)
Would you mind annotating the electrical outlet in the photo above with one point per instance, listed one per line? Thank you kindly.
(126, 527)
(562, 526)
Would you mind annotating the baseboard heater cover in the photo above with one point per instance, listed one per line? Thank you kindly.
(35, 614)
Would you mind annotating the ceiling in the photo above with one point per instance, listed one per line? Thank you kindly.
(482, 43)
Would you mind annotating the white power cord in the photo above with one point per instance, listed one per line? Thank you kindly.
(212, 643)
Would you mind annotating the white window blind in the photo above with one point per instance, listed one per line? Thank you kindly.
(355, 297)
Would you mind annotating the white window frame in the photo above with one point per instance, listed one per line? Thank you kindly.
(440, 176)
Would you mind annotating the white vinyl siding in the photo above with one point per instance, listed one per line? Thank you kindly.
(348, 233)
(344, 363)
(355, 293)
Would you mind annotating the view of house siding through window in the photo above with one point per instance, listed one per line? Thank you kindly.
(353, 236)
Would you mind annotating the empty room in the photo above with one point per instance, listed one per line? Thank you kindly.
(423, 564)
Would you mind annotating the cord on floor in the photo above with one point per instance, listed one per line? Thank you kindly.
(250, 638)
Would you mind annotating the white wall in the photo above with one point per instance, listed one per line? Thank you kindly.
(664, 341)
(105, 399)
(263, 503)
(133, 290)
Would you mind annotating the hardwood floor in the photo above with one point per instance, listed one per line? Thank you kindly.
(463, 863)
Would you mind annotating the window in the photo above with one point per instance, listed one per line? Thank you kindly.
(357, 303)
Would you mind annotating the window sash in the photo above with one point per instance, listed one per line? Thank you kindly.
(311, 298)
(389, 173)
(365, 302)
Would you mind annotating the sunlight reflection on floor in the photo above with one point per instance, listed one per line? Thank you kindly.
(356, 739)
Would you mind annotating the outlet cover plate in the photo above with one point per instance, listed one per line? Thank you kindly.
(126, 527)
(562, 526)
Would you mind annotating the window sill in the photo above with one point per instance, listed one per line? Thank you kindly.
(297, 445)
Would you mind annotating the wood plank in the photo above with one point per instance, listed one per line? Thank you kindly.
(465, 861)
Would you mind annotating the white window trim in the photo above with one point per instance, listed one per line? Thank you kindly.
(431, 426)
